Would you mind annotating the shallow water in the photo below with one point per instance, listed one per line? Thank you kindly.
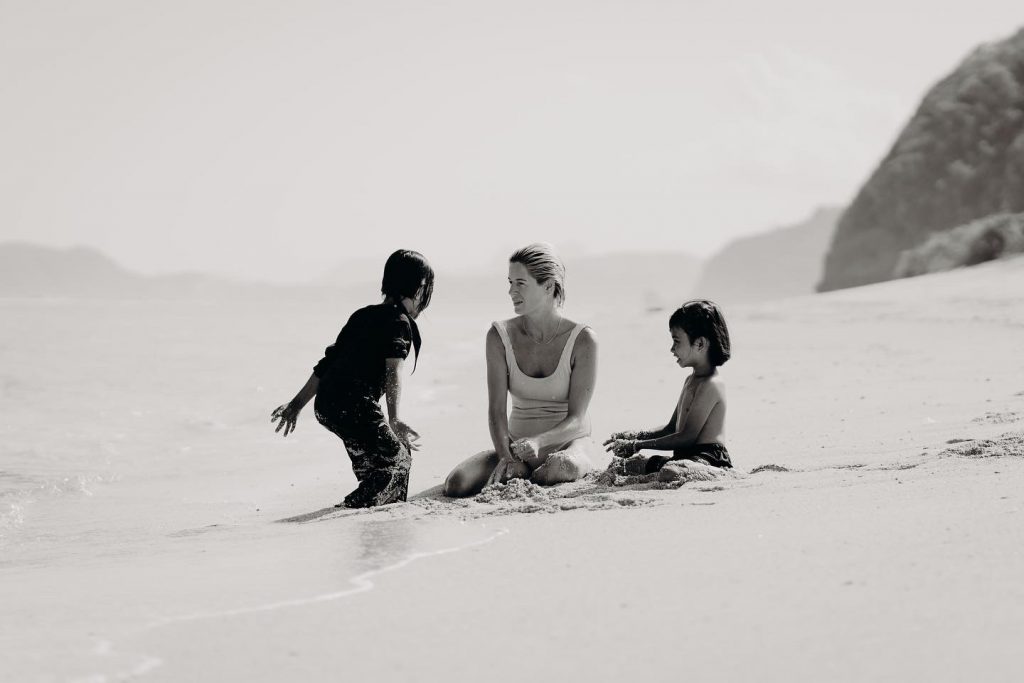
(140, 476)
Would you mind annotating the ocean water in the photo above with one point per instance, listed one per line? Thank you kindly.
(141, 481)
(141, 478)
(120, 414)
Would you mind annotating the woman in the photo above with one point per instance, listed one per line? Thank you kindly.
(548, 364)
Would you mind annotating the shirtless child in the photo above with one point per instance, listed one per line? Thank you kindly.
(696, 430)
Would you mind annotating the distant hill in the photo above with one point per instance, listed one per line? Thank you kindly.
(28, 270)
(770, 265)
(960, 158)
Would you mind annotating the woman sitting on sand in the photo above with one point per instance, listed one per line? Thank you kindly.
(548, 364)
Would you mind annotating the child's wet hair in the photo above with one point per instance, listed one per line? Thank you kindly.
(404, 272)
(543, 265)
(702, 318)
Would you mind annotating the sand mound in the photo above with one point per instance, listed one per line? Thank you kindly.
(622, 472)
(610, 489)
(1008, 445)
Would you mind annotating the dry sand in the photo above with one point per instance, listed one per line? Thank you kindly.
(874, 530)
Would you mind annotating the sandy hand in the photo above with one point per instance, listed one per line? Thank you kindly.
(508, 469)
(285, 416)
(618, 436)
(622, 448)
(525, 449)
(406, 434)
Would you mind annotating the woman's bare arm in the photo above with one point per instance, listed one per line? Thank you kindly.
(497, 394)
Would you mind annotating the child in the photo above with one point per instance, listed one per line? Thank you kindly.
(364, 363)
(695, 432)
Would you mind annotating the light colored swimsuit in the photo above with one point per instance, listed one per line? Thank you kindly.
(538, 403)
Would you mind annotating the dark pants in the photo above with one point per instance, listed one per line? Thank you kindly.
(380, 461)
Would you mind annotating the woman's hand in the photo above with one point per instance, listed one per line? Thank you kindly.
(622, 448)
(525, 449)
(508, 469)
(406, 434)
(287, 416)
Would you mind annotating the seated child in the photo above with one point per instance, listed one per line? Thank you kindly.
(696, 430)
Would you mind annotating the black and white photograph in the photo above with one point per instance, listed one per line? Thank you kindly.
(511, 341)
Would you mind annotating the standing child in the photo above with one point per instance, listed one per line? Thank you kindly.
(696, 430)
(361, 366)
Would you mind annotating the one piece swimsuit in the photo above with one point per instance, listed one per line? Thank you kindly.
(538, 403)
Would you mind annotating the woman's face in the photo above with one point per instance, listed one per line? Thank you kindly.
(526, 293)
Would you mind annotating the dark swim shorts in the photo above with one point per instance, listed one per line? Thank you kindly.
(714, 454)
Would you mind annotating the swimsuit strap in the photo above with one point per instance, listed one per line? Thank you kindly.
(570, 343)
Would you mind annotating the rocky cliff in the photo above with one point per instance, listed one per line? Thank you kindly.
(960, 158)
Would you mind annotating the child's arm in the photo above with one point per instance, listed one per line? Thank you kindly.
(288, 414)
(393, 396)
(669, 427)
(623, 443)
(707, 405)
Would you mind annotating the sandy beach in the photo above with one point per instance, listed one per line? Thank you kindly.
(872, 532)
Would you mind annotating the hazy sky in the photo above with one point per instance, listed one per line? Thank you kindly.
(275, 140)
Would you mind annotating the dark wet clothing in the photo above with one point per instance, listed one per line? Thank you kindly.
(380, 461)
(352, 374)
(355, 363)
(714, 454)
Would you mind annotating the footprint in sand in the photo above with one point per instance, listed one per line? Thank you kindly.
(997, 418)
(769, 468)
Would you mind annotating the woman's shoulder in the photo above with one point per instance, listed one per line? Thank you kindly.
(586, 332)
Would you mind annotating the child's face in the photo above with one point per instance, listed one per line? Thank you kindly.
(682, 349)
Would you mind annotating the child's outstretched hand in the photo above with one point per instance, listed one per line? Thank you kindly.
(406, 434)
(619, 447)
(286, 416)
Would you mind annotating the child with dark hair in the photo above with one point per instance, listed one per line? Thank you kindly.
(362, 365)
(696, 430)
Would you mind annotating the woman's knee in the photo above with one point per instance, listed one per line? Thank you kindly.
(558, 468)
(458, 484)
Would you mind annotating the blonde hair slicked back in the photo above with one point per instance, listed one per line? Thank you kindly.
(543, 265)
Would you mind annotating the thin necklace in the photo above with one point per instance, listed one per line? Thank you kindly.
(542, 341)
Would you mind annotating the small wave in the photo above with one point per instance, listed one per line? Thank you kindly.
(19, 492)
(359, 584)
(11, 518)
